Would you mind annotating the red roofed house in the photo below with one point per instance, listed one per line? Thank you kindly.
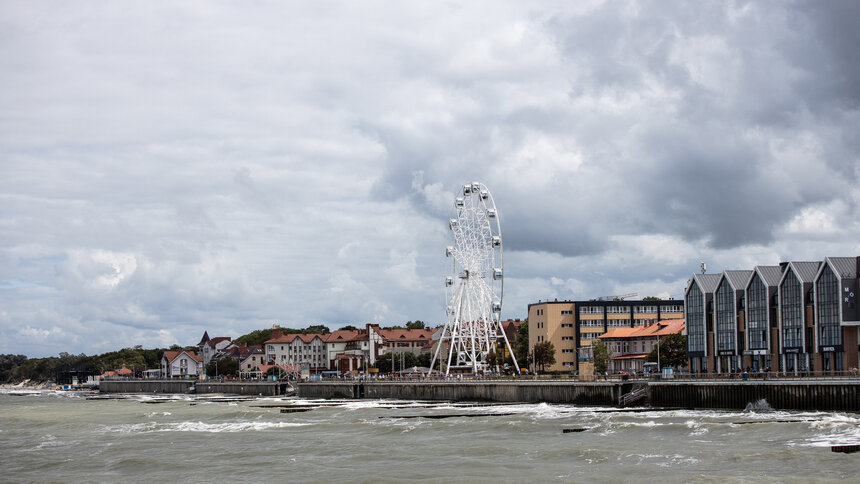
(348, 350)
(181, 363)
(297, 349)
(397, 341)
(628, 347)
(120, 373)
(353, 350)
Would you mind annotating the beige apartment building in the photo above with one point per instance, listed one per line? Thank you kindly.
(571, 325)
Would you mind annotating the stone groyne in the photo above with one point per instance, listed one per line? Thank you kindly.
(835, 395)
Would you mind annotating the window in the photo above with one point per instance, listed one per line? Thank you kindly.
(828, 299)
(567, 363)
(591, 310)
(567, 338)
(695, 320)
(725, 316)
(567, 350)
(617, 310)
(672, 309)
(567, 325)
(645, 309)
(566, 313)
(757, 314)
(791, 311)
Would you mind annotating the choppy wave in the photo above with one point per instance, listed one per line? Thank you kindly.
(191, 426)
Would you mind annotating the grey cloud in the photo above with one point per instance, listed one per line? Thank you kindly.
(298, 163)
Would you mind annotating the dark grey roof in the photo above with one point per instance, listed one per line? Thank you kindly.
(769, 274)
(708, 282)
(805, 270)
(845, 267)
(738, 279)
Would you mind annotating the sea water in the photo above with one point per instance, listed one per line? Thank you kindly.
(64, 437)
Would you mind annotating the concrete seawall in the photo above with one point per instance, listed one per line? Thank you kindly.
(184, 386)
(816, 395)
(245, 388)
(787, 395)
(145, 386)
(603, 393)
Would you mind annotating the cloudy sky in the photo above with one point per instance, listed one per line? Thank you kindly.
(173, 167)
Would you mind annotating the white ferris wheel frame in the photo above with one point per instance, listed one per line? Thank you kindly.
(475, 288)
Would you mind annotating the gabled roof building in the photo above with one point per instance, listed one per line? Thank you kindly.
(698, 313)
(761, 315)
(180, 364)
(800, 316)
(729, 319)
(837, 314)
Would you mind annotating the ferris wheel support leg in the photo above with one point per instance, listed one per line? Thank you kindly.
(438, 347)
(450, 354)
(511, 351)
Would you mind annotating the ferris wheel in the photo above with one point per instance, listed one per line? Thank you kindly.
(474, 289)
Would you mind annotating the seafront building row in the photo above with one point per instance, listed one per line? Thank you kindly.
(795, 317)
(342, 351)
(573, 326)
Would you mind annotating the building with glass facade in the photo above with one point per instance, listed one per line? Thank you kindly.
(796, 317)
(791, 318)
(698, 305)
(729, 343)
(761, 317)
(836, 314)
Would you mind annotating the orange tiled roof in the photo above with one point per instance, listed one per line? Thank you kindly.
(406, 334)
(630, 357)
(659, 328)
(172, 355)
(346, 335)
(289, 338)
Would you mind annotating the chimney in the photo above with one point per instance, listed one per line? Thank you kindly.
(277, 333)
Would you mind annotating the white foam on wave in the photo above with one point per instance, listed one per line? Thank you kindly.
(835, 429)
(190, 426)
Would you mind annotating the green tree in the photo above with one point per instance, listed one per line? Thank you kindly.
(673, 351)
(651, 298)
(492, 359)
(256, 337)
(543, 354)
(600, 352)
(418, 324)
(222, 367)
(521, 350)
(349, 327)
(400, 361)
(316, 329)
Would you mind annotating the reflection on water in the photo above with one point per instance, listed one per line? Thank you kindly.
(54, 436)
